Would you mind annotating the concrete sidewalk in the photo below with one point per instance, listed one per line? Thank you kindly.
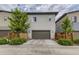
(38, 47)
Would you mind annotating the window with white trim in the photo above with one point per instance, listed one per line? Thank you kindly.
(49, 19)
(5, 18)
(34, 19)
(74, 19)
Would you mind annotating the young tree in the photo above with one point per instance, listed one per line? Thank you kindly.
(66, 26)
(18, 21)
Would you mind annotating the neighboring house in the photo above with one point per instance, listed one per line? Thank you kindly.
(42, 24)
(74, 17)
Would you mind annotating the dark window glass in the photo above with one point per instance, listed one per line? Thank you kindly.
(5, 18)
(34, 18)
(75, 19)
(49, 19)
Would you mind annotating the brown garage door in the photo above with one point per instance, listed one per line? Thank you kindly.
(4, 33)
(41, 34)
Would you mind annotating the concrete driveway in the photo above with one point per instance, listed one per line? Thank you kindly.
(38, 47)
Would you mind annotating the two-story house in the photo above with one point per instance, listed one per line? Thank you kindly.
(74, 18)
(42, 24)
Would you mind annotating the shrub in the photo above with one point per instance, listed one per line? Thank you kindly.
(76, 41)
(65, 42)
(16, 41)
(3, 41)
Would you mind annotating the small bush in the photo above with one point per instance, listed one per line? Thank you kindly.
(3, 41)
(65, 42)
(16, 41)
(76, 41)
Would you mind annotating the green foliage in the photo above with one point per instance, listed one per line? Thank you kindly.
(3, 41)
(65, 42)
(76, 41)
(13, 41)
(66, 25)
(16, 41)
(18, 21)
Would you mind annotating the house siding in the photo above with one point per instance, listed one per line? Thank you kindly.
(69, 15)
(76, 26)
(4, 23)
(75, 29)
(42, 23)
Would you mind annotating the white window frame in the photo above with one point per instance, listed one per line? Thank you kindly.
(73, 19)
(33, 20)
(5, 18)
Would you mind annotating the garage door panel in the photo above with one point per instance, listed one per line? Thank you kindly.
(4, 33)
(42, 34)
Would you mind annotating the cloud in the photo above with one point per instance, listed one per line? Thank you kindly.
(61, 8)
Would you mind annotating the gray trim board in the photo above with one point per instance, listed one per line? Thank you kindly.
(33, 12)
(42, 13)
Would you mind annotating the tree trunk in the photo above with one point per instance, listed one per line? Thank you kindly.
(17, 34)
(65, 35)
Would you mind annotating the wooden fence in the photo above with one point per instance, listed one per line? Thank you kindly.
(62, 35)
(21, 35)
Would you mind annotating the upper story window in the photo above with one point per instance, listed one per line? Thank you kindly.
(5, 18)
(74, 19)
(49, 19)
(34, 19)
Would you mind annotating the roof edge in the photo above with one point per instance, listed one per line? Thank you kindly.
(73, 12)
(33, 12)
(5, 11)
(61, 17)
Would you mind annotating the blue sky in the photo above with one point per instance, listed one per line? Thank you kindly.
(60, 8)
(49, 7)
(41, 7)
